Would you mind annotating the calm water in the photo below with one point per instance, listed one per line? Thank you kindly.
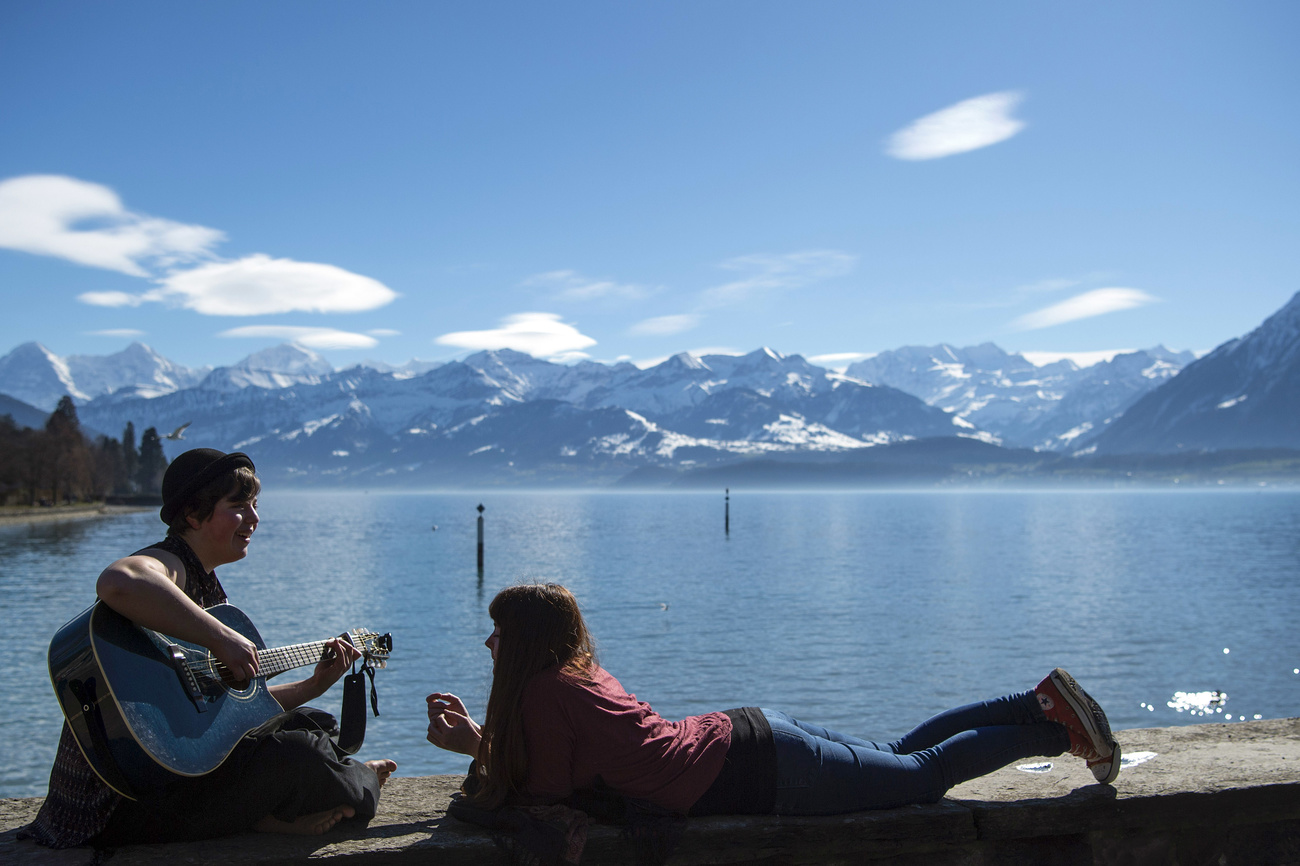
(866, 612)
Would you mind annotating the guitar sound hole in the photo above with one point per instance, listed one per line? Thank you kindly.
(228, 680)
(218, 679)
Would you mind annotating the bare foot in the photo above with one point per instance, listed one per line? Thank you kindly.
(306, 825)
(383, 769)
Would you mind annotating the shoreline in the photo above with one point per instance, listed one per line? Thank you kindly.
(24, 516)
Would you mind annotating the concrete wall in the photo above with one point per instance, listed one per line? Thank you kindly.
(1211, 794)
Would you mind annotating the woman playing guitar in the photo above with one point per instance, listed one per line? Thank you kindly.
(283, 781)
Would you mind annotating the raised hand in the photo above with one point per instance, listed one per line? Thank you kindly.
(450, 726)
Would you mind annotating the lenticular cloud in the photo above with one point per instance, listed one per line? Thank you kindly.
(312, 338)
(260, 285)
(1095, 303)
(541, 335)
(968, 125)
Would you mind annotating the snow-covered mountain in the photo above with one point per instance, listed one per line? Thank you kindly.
(1244, 394)
(1056, 406)
(413, 367)
(277, 367)
(509, 412)
(1101, 393)
(35, 375)
(507, 416)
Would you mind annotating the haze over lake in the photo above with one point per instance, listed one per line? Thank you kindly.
(866, 612)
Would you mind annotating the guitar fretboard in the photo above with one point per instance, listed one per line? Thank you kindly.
(276, 661)
(280, 659)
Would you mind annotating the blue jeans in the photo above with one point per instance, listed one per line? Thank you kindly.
(821, 772)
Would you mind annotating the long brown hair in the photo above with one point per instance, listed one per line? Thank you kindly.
(541, 627)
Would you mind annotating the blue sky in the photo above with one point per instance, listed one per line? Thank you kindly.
(631, 180)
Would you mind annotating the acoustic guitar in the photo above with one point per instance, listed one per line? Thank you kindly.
(145, 708)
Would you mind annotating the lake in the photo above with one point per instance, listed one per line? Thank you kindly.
(866, 612)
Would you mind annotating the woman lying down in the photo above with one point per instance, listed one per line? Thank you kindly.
(557, 723)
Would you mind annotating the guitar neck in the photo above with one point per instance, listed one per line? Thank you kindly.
(280, 659)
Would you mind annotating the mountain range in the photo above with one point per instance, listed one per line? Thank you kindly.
(1055, 407)
(508, 417)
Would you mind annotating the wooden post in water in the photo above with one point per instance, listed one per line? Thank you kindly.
(726, 513)
(480, 537)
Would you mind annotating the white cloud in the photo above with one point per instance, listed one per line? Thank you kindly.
(541, 335)
(968, 125)
(53, 215)
(1081, 359)
(569, 357)
(383, 332)
(117, 332)
(572, 286)
(647, 363)
(775, 273)
(312, 338)
(715, 350)
(1094, 303)
(111, 299)
(664, 326)
(840, 360)
(260, 285)
(86, 223)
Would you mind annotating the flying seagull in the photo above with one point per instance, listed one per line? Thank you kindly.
(179, 432)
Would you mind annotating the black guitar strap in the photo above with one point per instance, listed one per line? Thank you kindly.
(352, 731)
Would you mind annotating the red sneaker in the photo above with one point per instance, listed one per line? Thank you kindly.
(1063, 701)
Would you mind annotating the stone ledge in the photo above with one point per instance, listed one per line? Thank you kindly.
(1215, 791)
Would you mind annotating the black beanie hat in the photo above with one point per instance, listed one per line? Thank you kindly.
(190, 471)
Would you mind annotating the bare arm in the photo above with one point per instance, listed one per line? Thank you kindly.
(144, 590)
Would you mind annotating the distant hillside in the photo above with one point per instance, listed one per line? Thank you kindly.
(24, 415)
(950, 462)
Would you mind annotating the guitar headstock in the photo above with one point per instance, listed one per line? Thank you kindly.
(375, 648)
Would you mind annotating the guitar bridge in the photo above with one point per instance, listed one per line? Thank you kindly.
(189, 682)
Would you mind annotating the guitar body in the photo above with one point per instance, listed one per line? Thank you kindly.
(146, 708)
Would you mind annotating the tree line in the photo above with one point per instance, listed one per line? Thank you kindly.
(60, 464)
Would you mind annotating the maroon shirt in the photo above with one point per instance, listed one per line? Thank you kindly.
(577, 729)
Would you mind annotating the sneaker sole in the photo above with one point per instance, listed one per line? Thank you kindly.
(1112, 772)
(1087, 710)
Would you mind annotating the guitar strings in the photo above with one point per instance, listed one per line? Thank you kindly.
(286, 658)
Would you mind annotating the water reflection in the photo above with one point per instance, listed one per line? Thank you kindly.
(1198, 703)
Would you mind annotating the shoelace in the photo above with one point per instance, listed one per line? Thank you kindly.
(1088, 753)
